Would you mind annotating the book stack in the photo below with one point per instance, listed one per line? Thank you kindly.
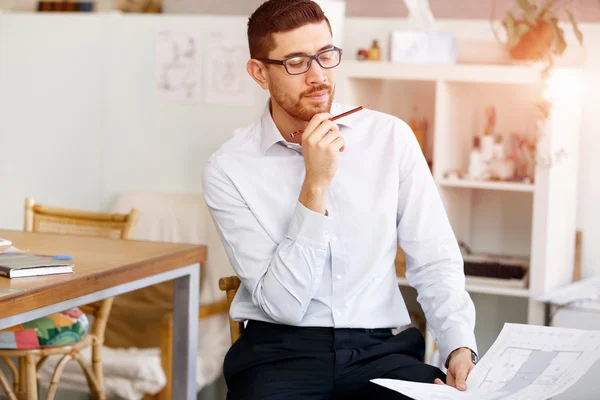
(15, 263)
(511, 270)
(65, 6)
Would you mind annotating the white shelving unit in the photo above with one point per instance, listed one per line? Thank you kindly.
(505, 186)
(534, 220)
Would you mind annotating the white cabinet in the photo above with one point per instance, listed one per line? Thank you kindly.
(534, 220)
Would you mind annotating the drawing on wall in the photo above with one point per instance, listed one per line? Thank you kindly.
(226, 79)
(177, 68)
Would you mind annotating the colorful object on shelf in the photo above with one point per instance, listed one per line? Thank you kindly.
(362, 54)
(477, 167)
(419, 127)
(374, 52)
(490, 120)
(497, 157)
(57, 329)
(522, 152)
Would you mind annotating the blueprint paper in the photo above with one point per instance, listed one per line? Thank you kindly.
(526, 362)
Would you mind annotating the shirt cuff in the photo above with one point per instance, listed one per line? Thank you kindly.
(454, 339)
(310, 227)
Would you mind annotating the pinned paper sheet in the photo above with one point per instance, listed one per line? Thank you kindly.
(226, 79)
(177, 66)
(526, 362)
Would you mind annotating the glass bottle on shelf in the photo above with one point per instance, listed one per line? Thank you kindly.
(374, 52)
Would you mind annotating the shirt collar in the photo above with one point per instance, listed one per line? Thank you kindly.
(270, 135)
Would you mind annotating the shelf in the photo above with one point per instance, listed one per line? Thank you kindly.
(476, 73)
(488, 185)
(493, 289)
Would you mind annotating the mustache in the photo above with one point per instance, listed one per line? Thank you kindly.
(315, 89)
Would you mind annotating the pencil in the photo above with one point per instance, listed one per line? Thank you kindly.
(332, 119)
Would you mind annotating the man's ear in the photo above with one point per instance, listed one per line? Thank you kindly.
(258, 72)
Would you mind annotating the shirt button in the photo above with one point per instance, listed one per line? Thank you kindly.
(339, 277)
(334, 238)
(339, 314)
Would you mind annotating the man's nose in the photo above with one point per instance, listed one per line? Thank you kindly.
(315, 74)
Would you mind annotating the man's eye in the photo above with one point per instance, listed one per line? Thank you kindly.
(296, 61)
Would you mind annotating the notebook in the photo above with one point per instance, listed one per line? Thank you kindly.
(18, 265)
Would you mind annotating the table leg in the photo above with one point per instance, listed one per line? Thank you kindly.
(185, 334)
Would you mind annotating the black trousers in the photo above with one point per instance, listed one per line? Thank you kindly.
(283, 362)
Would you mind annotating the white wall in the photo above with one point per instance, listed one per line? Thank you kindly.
(79, 122)
(49, 103)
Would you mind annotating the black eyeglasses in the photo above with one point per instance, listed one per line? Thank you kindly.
(297, 65)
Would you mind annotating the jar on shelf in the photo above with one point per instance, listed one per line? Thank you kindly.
(374, 52)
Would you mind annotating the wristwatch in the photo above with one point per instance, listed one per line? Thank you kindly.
(474, 357)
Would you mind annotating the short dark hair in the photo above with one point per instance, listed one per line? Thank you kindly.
(274, 16)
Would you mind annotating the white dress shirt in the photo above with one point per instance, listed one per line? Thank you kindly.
(302, 268)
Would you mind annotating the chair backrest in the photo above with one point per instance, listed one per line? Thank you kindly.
(230, 285)
(49, 219)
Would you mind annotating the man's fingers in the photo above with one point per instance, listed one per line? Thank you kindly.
(338, 143)
(462, 370)
(315, 121)
(330, 136)
(450, 379)
(438, 381)
(318, 134)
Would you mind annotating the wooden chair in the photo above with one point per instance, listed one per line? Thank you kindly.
(39, 218)
(230, 285)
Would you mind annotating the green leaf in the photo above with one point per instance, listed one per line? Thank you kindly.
(576, 30)
(547, 14)
(559, 38)
(510, 30)
(520, 29)
(526, 6)
(529, 11)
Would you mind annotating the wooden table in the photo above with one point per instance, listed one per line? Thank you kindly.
(105, 268)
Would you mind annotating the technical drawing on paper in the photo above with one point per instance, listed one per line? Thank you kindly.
(177, 66)
(518, 368)
(526, 362)
(530, 362)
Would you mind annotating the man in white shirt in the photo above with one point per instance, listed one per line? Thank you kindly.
(311, 225)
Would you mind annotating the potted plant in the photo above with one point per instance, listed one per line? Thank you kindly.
(533, 32)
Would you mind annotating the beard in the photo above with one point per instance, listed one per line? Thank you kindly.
(303, 108)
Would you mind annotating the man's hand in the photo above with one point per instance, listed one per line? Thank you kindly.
(321, 145)
(459, 367)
